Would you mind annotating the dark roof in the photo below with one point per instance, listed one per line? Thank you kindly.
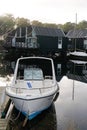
(40, 31)
(77, 33)
(45, 31)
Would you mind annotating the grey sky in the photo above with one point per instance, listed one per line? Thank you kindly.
(52, 11)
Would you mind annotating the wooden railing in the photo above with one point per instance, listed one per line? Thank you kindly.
(21, 45)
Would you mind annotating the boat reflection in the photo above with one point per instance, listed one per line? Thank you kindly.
(44, 121)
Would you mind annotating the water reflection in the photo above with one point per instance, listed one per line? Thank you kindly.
(60, 68)
(77, 70)
(45, 121)
(71, 107)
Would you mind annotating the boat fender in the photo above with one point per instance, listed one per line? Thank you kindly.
(56, 96)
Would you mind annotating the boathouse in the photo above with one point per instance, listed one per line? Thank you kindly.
(38, 40)
(77, 70)
(77, 40)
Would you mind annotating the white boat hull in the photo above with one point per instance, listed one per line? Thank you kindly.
(34, 87)
(32, 107)
(78, 56)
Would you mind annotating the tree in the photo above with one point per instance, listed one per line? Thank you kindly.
(7, 23)
(36, 23)
(60, 26)
(51, 25)
(22, 22)
(68, 26)
(82, 24)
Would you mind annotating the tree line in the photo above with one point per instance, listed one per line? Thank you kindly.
(9, 23)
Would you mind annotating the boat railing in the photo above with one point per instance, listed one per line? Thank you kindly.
(21, 90)
(45, 77)
(48, 77)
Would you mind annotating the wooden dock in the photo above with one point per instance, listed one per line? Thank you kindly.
(3, 121)
(3, 124)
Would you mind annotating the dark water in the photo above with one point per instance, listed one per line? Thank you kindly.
(69, 111)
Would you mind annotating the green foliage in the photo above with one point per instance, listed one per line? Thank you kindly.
(8, 22)
(22, 22)
(68, 26)
(52, 25)
(82, 24)
(36, 23)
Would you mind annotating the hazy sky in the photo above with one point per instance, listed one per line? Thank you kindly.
(50, 11)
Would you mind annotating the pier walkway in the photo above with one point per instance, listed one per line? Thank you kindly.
(3, 124)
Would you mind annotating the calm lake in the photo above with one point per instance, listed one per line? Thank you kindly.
(69, 111)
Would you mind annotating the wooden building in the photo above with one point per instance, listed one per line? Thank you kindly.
(37, 40)
(77, 40)
(77, 70)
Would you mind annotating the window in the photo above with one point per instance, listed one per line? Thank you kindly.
(33, 73)
(32, 41)
(13, 42)
(59, 42)
(58, 69)
(85, 44)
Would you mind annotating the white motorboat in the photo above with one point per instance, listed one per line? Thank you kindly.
(34, 85)
(78, 55)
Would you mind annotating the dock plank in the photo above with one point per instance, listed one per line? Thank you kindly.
(3, 124)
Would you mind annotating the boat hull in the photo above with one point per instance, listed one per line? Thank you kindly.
(74, 57)
(34, 85)
(77, 55)
(32, 107)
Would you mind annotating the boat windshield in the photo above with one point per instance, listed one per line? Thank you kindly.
(34, 69)
(33, 74)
